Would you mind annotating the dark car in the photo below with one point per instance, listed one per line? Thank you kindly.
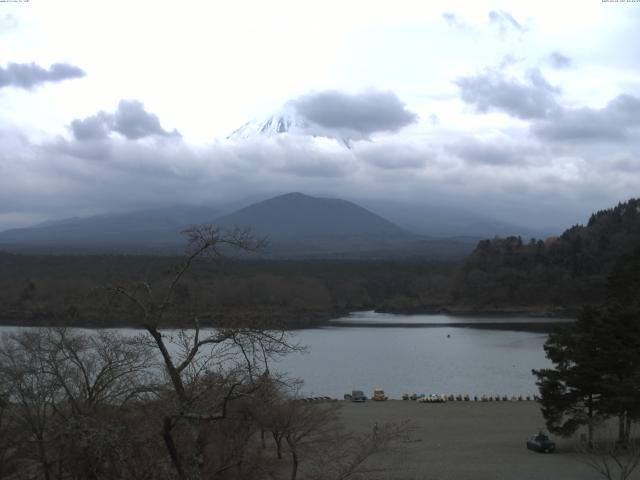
(541, 443)
(358, 396)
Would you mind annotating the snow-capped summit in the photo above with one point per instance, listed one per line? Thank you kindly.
(286, 120)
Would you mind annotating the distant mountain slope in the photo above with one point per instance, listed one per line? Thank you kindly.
(296, 216)
(295, 225)
(568, 270)
(441, 220)
(145, 228)
(298, 225)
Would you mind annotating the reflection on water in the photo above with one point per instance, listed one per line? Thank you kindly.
(371, 317)
(442, 359)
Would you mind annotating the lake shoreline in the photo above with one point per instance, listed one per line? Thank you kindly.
(308, 320)
(494, 311)
(328, 321)
(533, 327)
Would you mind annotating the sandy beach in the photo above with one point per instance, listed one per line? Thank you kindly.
(466, 440)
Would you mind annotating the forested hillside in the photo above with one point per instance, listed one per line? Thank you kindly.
(565, 271)
(51, 289)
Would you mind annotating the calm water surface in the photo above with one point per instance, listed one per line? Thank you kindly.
(439, 358)
(442, 359)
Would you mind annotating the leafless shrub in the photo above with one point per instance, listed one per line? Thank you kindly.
(344, 455)
(609, 458)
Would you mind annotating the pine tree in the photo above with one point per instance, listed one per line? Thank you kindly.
(596, 372)
(571, 393)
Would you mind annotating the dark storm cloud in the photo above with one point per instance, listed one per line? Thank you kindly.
(494, 152)
(130, 120)
(29, 75)
(557, 60)
(618, 120)
(492, 90)
(364, 113)
(505, 21)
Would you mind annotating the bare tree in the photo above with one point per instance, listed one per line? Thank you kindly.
(8, 433)
(302, 424)
(206, 369)
(97, 370)
(32, 396)
(344, 456)
(319, 447)
(610, 458)
(61, 391)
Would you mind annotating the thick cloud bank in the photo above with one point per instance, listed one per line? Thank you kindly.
(619, 120)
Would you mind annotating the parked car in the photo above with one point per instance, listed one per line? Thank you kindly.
(379, 396)
(358, 396)
(541, 443)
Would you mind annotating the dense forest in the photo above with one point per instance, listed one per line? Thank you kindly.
(559, 272)
(503, 275)
(73, 289)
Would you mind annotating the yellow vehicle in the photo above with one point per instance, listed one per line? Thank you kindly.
(379, 396)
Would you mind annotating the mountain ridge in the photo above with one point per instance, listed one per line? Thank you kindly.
(307, 218)
(296, 226)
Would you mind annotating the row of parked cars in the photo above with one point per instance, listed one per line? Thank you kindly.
(359, 396)
(434, 398)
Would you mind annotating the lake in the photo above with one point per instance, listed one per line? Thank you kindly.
(433, 355)
(424, 353)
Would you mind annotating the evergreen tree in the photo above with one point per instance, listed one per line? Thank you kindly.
(571, 393)
(619, 355)
(596, 372)
(623, 283)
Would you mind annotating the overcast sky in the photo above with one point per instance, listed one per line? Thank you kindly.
(527, 111)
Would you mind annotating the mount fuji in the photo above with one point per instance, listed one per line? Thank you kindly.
(288, 121)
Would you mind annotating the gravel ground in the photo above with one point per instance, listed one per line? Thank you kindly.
(466, 440)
